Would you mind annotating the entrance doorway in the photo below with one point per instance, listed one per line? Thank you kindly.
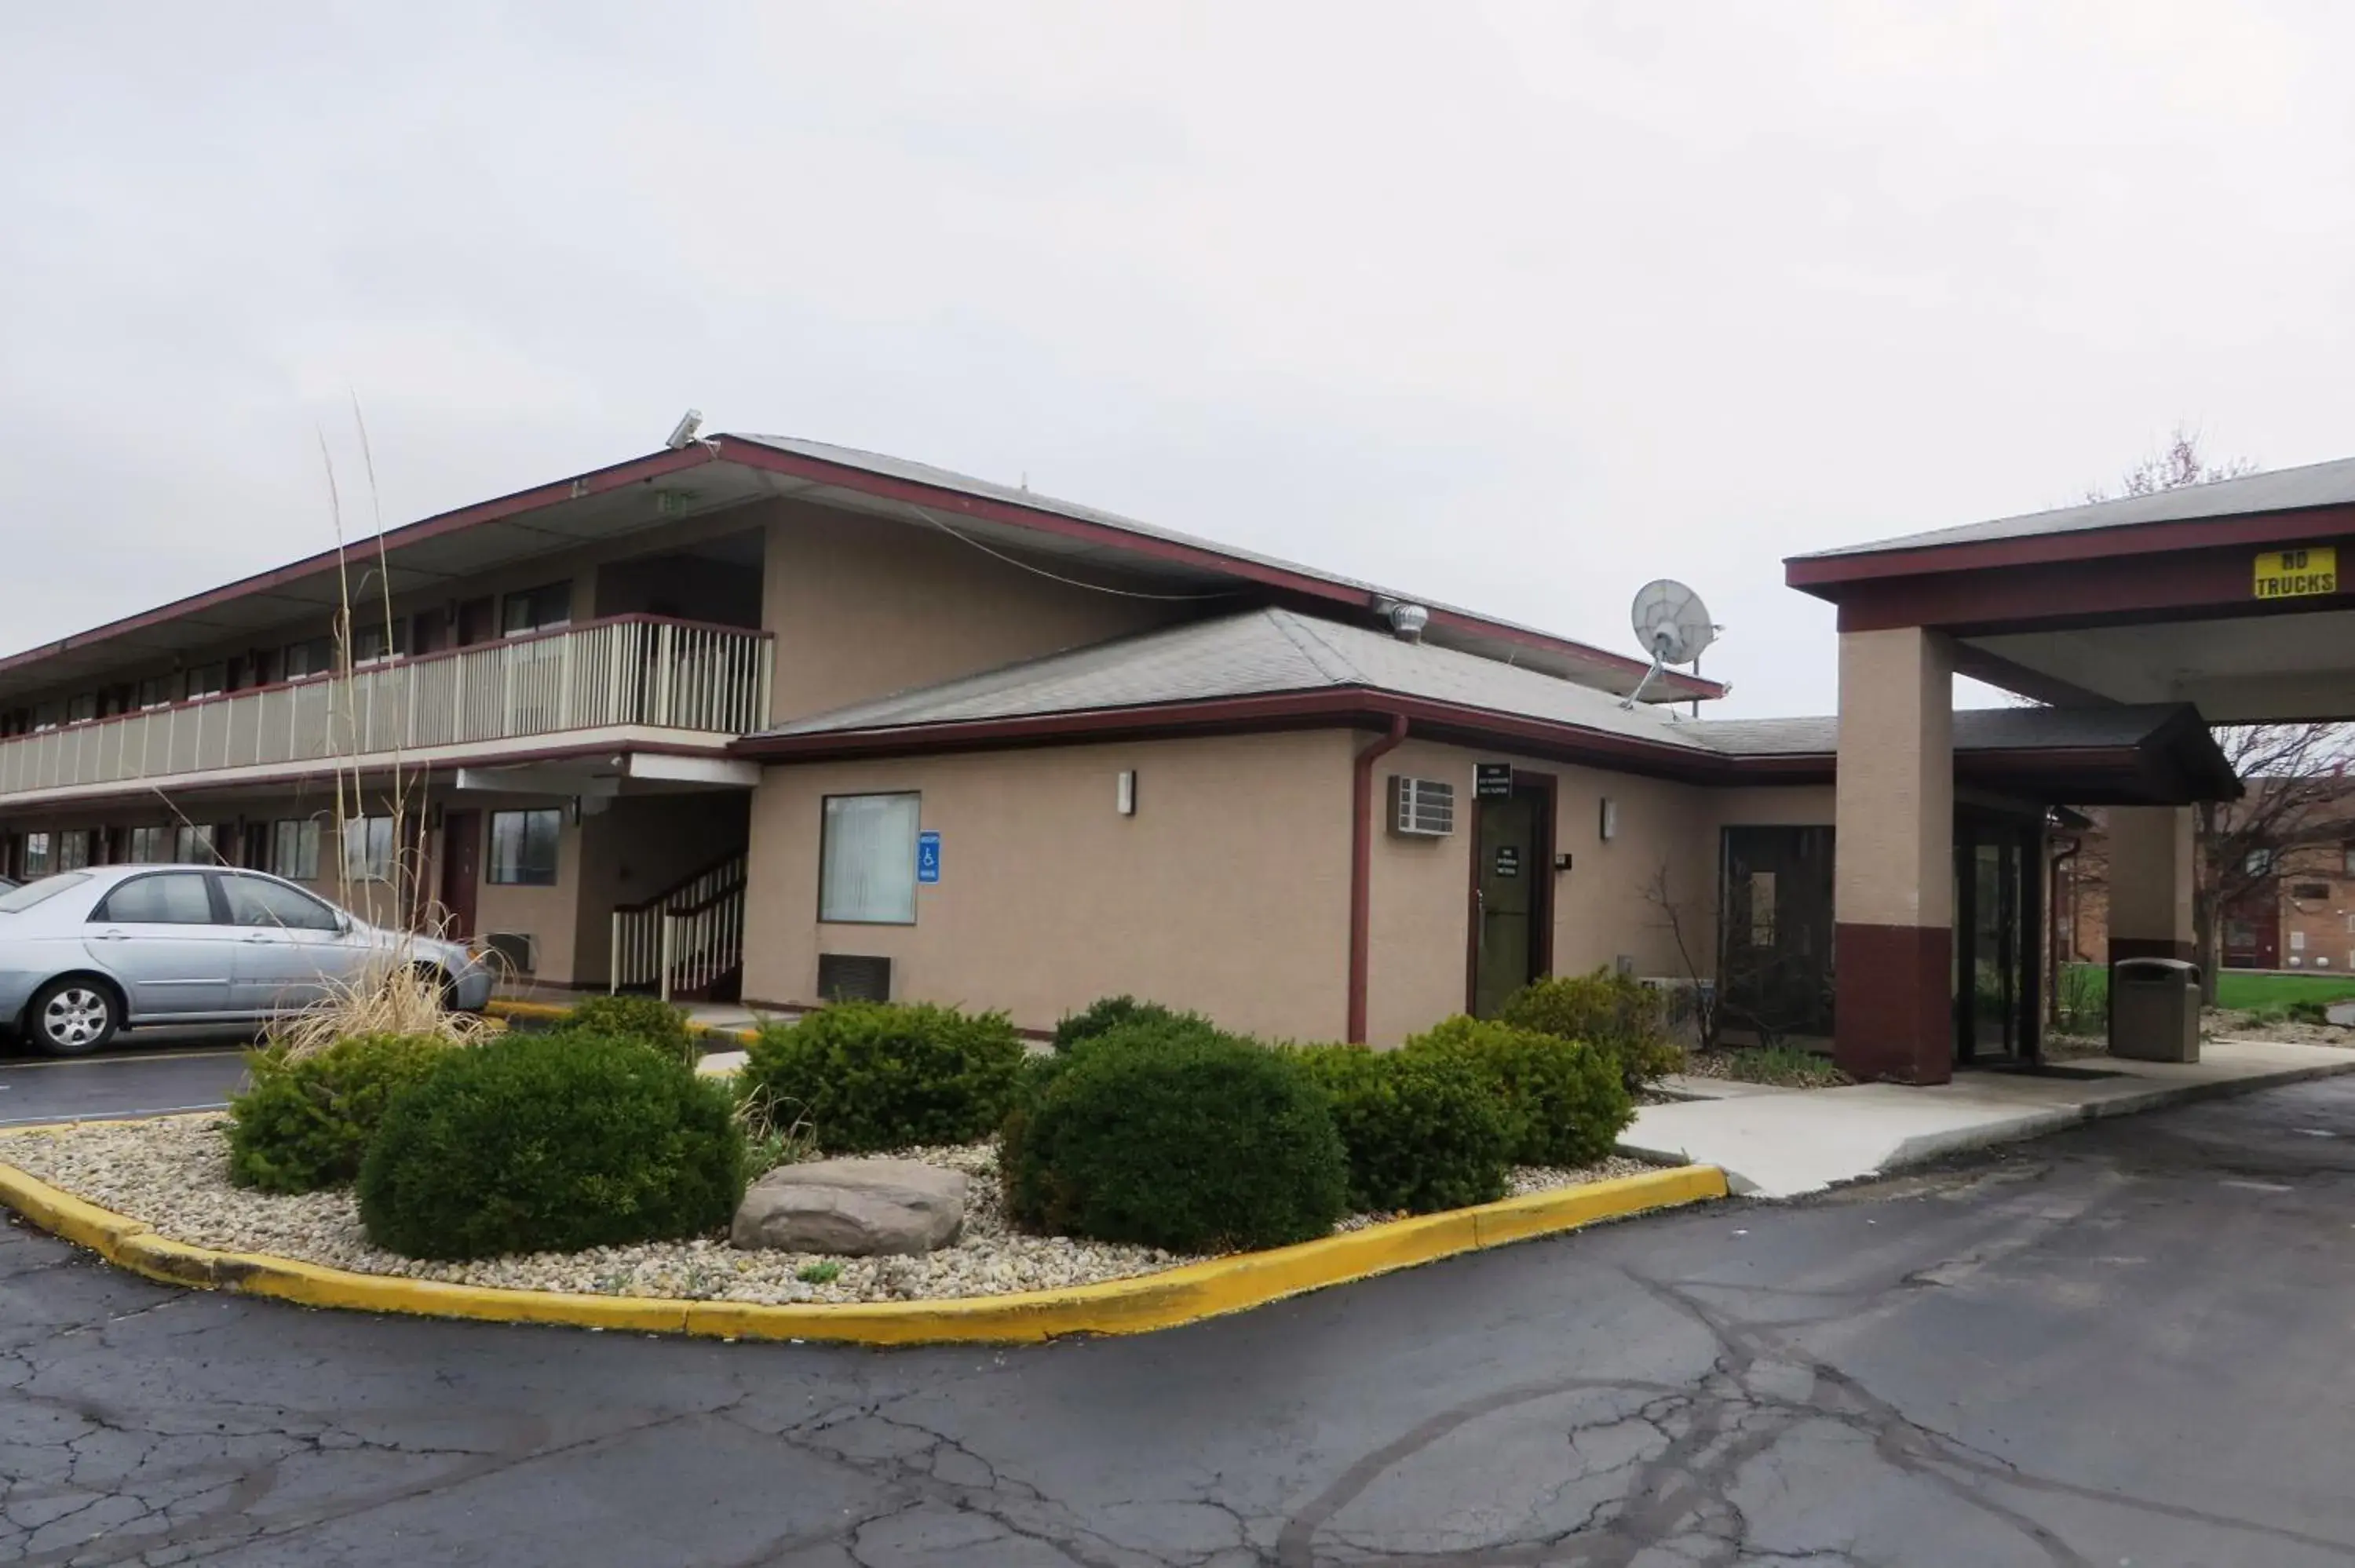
(1512, 892)
(461, 868)
(1998, 930)
(1774, 958)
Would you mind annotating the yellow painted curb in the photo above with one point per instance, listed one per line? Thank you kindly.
(554, 1013)
(1133, 1305)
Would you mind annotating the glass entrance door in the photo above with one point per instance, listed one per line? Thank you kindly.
(1997, 884)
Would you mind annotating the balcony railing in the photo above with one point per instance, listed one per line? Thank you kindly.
(629, 671)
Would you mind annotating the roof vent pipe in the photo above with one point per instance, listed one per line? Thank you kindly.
(1407, 620)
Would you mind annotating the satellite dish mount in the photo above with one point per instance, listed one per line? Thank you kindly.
(1673, 626)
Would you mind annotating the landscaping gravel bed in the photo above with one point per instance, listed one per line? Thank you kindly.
(173, 1174)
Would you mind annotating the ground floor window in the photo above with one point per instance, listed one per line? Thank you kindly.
(367, 849)
(867, 860)
(295, 850)
(39, 857)
(192, 844)
(522, 847)
(151, 846)
(73, 849)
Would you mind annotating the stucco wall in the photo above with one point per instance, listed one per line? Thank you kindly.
(1227, 891)
(864, 606)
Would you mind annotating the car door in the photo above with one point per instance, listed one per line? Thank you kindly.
(161, 938)
(290, 945)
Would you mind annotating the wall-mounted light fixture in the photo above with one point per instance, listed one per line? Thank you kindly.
(1124, 797)
(1609, 826)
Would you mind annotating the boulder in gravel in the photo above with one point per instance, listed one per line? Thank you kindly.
(853, 1208)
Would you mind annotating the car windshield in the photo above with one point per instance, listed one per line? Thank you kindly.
(39, 892)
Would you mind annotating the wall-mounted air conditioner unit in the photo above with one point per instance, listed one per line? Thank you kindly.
(1421, 808)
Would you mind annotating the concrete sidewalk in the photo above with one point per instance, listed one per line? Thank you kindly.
(1780, 1145)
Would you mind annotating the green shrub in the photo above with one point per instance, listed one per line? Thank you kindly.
(1564, 1102)
(551, 1143)
(648, 1018)
(1617, 1015)
(305, 1123)
(867, 1076)
(1424, 1131)
(1111, 1013)
(1187, 1141)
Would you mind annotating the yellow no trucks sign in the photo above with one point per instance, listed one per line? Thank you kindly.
(2291, 574)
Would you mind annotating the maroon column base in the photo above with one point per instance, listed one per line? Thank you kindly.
(1895, 1018)
(2148, 947)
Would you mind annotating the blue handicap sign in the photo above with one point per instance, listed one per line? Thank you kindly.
(928, 857)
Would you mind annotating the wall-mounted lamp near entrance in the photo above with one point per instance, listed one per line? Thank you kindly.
(1609, 826)
(1124, 797)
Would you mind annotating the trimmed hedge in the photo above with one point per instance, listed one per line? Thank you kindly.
(305, 1124)
(869, 1076)
(1124, 1014)
(1564, 1102)
(1617, 1015)
(1424, 1131)
(551, 1143)
(648, 1018)
(1186, 1142)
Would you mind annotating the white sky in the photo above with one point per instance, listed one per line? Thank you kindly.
(1514, 306)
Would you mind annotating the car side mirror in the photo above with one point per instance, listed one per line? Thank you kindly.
(343, 923)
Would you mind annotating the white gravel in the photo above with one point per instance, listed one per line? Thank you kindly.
(173, 1174)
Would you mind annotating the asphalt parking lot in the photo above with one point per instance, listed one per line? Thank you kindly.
(2126, 1344)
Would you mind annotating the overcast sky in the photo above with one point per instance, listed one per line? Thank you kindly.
(1512, 306)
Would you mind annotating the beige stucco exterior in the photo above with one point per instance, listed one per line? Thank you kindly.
(1896, 779)
(2150, 867)
(1226, 891)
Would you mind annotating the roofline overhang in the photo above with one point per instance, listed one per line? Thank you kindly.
(2168, 766)
(1824, 574)
(753, 454)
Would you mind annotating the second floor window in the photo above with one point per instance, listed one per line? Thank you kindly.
(156, 691)
(537, 610)
(82, 708)
(316, 656)
(373, 643)
(206, 680)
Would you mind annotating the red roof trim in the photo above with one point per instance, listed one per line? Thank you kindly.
(592, 483)
(1814, 572)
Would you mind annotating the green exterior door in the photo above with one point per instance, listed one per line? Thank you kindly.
(1506, 902)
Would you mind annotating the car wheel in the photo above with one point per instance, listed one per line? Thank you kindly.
(71, 1017)
(443, 986)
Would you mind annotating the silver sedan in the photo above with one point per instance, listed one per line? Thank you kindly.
(86, 953)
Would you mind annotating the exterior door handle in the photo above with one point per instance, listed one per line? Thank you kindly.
(111, 937)
(259, 936)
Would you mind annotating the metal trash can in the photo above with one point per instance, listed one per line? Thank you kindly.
(2155, 1010)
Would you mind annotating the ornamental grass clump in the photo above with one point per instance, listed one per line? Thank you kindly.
(1182, 1140)
(305, 1123)
(864, 1076)
(1424, 1131)
(551, 1143)
(1564, 1102)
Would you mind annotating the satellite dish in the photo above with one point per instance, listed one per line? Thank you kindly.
(1672, 624)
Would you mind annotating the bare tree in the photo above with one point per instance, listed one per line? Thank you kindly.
(2299, 796)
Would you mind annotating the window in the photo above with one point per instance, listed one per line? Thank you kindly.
(38, 856)
(82, 709)
(2297, 941)
(2260, 863)
(73, 849)
(536, 610)
(156, 692)
(47, 716)
(373, 644)
(151, 846)
(20, 899)
(522, 847)
(192, 844)
(867, 860)
(295, 850)
(314, 657)
(253, 902)
(172, 898)
(206, 680)
(367, 849)
(2310, 890)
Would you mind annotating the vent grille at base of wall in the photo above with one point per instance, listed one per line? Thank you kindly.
(853, 977)
(1421, 808)
(515, 950)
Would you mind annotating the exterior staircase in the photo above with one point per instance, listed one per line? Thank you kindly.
(686, 943)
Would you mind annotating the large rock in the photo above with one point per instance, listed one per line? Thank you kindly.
(855, 1208)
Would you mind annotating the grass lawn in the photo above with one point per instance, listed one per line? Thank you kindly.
(2245, 990)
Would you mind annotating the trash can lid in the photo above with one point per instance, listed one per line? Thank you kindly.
(2159, 969)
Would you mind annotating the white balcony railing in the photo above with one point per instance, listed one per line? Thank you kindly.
(629, 671)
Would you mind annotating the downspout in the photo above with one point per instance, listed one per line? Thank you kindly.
(2060, 946)
(1361, 870)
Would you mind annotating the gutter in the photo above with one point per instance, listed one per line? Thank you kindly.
(1361, 870)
